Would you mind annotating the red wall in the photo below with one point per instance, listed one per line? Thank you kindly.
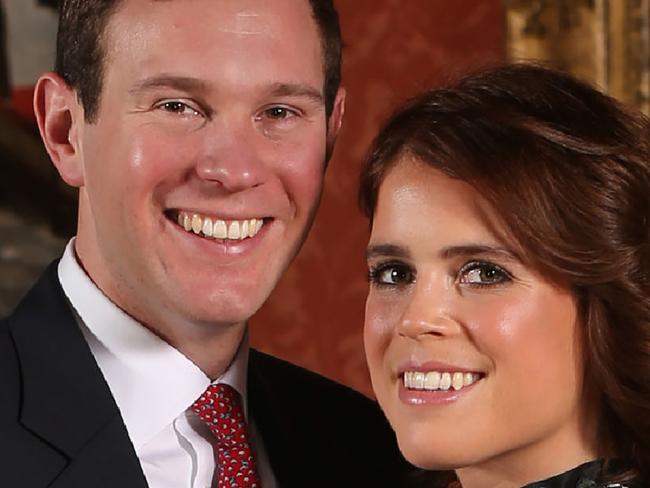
(395, 48)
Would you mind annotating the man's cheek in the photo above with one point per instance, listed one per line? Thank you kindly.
(152, 160)
(305, 183)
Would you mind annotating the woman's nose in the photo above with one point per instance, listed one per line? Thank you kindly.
(429, 313)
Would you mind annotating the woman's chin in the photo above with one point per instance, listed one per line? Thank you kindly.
(432, 458)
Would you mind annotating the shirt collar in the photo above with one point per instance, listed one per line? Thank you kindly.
(152, 382)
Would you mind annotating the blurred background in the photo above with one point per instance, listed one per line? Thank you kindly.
(394, 49)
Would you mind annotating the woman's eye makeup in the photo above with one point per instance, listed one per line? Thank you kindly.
(483, 273)
(391, 274)
(474, 273)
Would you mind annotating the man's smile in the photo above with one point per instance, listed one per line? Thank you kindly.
(215, 228)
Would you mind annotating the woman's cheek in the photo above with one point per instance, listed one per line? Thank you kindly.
(382, 318)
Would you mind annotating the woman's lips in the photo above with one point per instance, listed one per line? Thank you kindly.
(435, 382)
(435, 397)
(438, 380)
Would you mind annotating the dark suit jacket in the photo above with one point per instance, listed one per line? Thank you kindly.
(60, 426)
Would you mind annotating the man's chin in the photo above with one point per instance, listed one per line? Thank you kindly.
(223, 309)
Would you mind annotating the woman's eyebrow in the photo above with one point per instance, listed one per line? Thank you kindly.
(474, 249)
(378, 250)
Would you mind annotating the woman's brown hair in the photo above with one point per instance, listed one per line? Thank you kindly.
(567, 170)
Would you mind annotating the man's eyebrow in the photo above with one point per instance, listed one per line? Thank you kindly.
(296, 90)
(185, 83)
(392, 250)
(474, 249)
(182, 83)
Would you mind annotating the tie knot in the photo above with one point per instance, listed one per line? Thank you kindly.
(221, 398)
(220, 407)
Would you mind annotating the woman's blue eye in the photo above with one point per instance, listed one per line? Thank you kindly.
(391, 275)
(483, 274)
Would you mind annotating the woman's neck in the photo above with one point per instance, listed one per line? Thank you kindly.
(527, 464)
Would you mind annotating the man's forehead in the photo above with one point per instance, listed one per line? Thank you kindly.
(248, 41)
(246, 22)
(243, 12)
(236, 17)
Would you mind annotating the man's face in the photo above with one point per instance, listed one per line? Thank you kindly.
(211, 121)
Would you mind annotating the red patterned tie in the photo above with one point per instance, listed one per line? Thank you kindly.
(221, 409)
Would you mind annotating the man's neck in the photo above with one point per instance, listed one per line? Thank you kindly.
(211, 350)
(210, 346)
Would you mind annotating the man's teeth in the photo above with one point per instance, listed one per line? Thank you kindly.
(435, 380)
(219, 229)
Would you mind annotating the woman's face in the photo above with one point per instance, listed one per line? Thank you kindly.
(474, 357)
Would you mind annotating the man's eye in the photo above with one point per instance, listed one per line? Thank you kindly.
(279, 113)
(391, 275)
(483, 274)
(177, 107)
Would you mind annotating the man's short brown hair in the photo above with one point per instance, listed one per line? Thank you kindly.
(81, 49)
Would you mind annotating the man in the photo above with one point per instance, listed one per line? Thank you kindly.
(197, 132)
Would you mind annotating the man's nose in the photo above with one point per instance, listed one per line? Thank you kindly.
(233, 157)
(430, 313)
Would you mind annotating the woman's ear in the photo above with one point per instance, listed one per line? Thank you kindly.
(59, 116)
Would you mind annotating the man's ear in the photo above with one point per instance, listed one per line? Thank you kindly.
(59, 116)
(335, 121)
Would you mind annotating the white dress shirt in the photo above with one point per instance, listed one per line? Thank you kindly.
(154, 386)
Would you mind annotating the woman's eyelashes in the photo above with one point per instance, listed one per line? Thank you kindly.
(476, 274)
(483, 274)
(391, 274)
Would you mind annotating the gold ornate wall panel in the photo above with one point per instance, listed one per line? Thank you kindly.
(606, 42)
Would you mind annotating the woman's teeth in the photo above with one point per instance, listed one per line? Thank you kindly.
(219, 229)
(435, 380)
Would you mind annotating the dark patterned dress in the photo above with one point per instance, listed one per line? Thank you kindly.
(583, 476)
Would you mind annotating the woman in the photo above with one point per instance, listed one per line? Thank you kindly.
(508, 319)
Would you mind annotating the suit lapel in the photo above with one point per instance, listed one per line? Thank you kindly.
(65, 400)
(270, 417)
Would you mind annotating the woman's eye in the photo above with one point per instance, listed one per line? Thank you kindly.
(391, 275)
(483, 274)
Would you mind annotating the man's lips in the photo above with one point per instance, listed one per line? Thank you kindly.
(211, 227)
